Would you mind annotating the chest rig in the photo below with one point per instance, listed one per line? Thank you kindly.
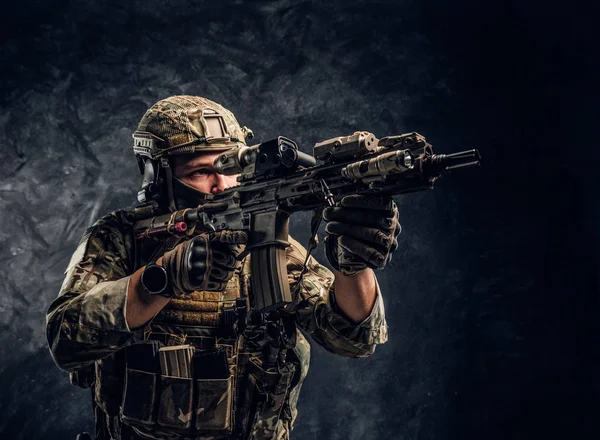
(253, 402)
(205, 315)
(200, 313)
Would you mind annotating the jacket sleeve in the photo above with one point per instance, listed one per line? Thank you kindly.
(87, 320)
(318, 314)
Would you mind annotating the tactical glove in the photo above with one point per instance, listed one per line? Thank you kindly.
(205, 262)
(362, 232)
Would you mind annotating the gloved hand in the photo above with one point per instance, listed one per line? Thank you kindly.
(362, 232)
(205, 262)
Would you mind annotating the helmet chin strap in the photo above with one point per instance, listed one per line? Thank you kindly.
(185, 196)
(169, 178)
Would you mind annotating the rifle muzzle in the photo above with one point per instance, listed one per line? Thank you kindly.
(439, 163)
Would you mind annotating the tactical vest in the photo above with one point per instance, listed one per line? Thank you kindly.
(150, 389)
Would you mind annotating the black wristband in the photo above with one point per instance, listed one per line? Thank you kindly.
(155, 281)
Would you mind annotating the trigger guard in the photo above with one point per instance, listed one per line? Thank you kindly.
(209, 227)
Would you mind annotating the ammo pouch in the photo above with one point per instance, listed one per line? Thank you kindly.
(177, 388)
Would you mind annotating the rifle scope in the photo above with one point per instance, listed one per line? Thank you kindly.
(277, 153)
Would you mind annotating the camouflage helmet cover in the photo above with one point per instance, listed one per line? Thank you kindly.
(187, 124)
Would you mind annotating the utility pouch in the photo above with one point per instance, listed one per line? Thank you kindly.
(245, 392)
(214, 391)
(140, 384)
(276, 385)
(176, 387)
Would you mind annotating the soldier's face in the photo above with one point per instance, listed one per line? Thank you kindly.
(198, 171)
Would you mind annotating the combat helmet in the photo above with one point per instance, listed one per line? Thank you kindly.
(180, 125)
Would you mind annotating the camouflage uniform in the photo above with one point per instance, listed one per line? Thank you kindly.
(86, 328)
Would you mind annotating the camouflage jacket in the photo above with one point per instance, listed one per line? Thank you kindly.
(86, 324)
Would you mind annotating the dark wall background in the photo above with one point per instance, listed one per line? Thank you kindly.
(492, 298)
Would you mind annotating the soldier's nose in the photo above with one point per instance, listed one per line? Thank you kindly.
(219, 184)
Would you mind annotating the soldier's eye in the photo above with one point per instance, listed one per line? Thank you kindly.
(198, 173)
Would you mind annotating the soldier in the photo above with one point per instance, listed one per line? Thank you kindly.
(152, 326)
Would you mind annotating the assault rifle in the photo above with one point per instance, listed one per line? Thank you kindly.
(276, 179)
